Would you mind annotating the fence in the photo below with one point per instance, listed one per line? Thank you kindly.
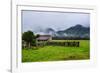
(67, 44)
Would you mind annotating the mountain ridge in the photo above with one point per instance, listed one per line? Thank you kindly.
(74, 31)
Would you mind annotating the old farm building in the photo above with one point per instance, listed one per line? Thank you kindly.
(43, 39)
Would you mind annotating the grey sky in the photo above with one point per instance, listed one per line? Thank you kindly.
(36, 20)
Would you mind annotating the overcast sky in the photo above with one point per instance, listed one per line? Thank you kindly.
(36, 20)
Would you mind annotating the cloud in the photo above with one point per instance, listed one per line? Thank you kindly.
(36, 20)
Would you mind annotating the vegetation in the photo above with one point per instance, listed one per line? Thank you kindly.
(56, 53)
(54, 50)
(29, 38)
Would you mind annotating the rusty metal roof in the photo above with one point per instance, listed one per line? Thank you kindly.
(43, 37)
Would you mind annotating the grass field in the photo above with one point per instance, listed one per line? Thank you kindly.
(57, 53)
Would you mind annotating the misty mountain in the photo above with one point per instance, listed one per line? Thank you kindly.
(74, 31)
(50, 31)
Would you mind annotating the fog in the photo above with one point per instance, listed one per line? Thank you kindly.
(38, 21)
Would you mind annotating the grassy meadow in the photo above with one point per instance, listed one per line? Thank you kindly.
(57, 53)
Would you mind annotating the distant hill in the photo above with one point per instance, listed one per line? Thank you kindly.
(74, 31)
(50, 31)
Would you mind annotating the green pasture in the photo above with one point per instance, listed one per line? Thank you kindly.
(57, 53)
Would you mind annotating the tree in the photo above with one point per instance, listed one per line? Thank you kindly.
(38, 35)
(28, 37)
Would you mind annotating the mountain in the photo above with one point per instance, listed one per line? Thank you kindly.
(76, 31)
(50, 31)
(47, 31)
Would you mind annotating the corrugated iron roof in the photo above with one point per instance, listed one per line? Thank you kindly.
(43, 37)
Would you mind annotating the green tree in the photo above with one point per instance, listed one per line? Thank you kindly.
(28, 37)
(38, 35)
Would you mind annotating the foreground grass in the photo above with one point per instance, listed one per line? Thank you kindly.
(56, 53)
